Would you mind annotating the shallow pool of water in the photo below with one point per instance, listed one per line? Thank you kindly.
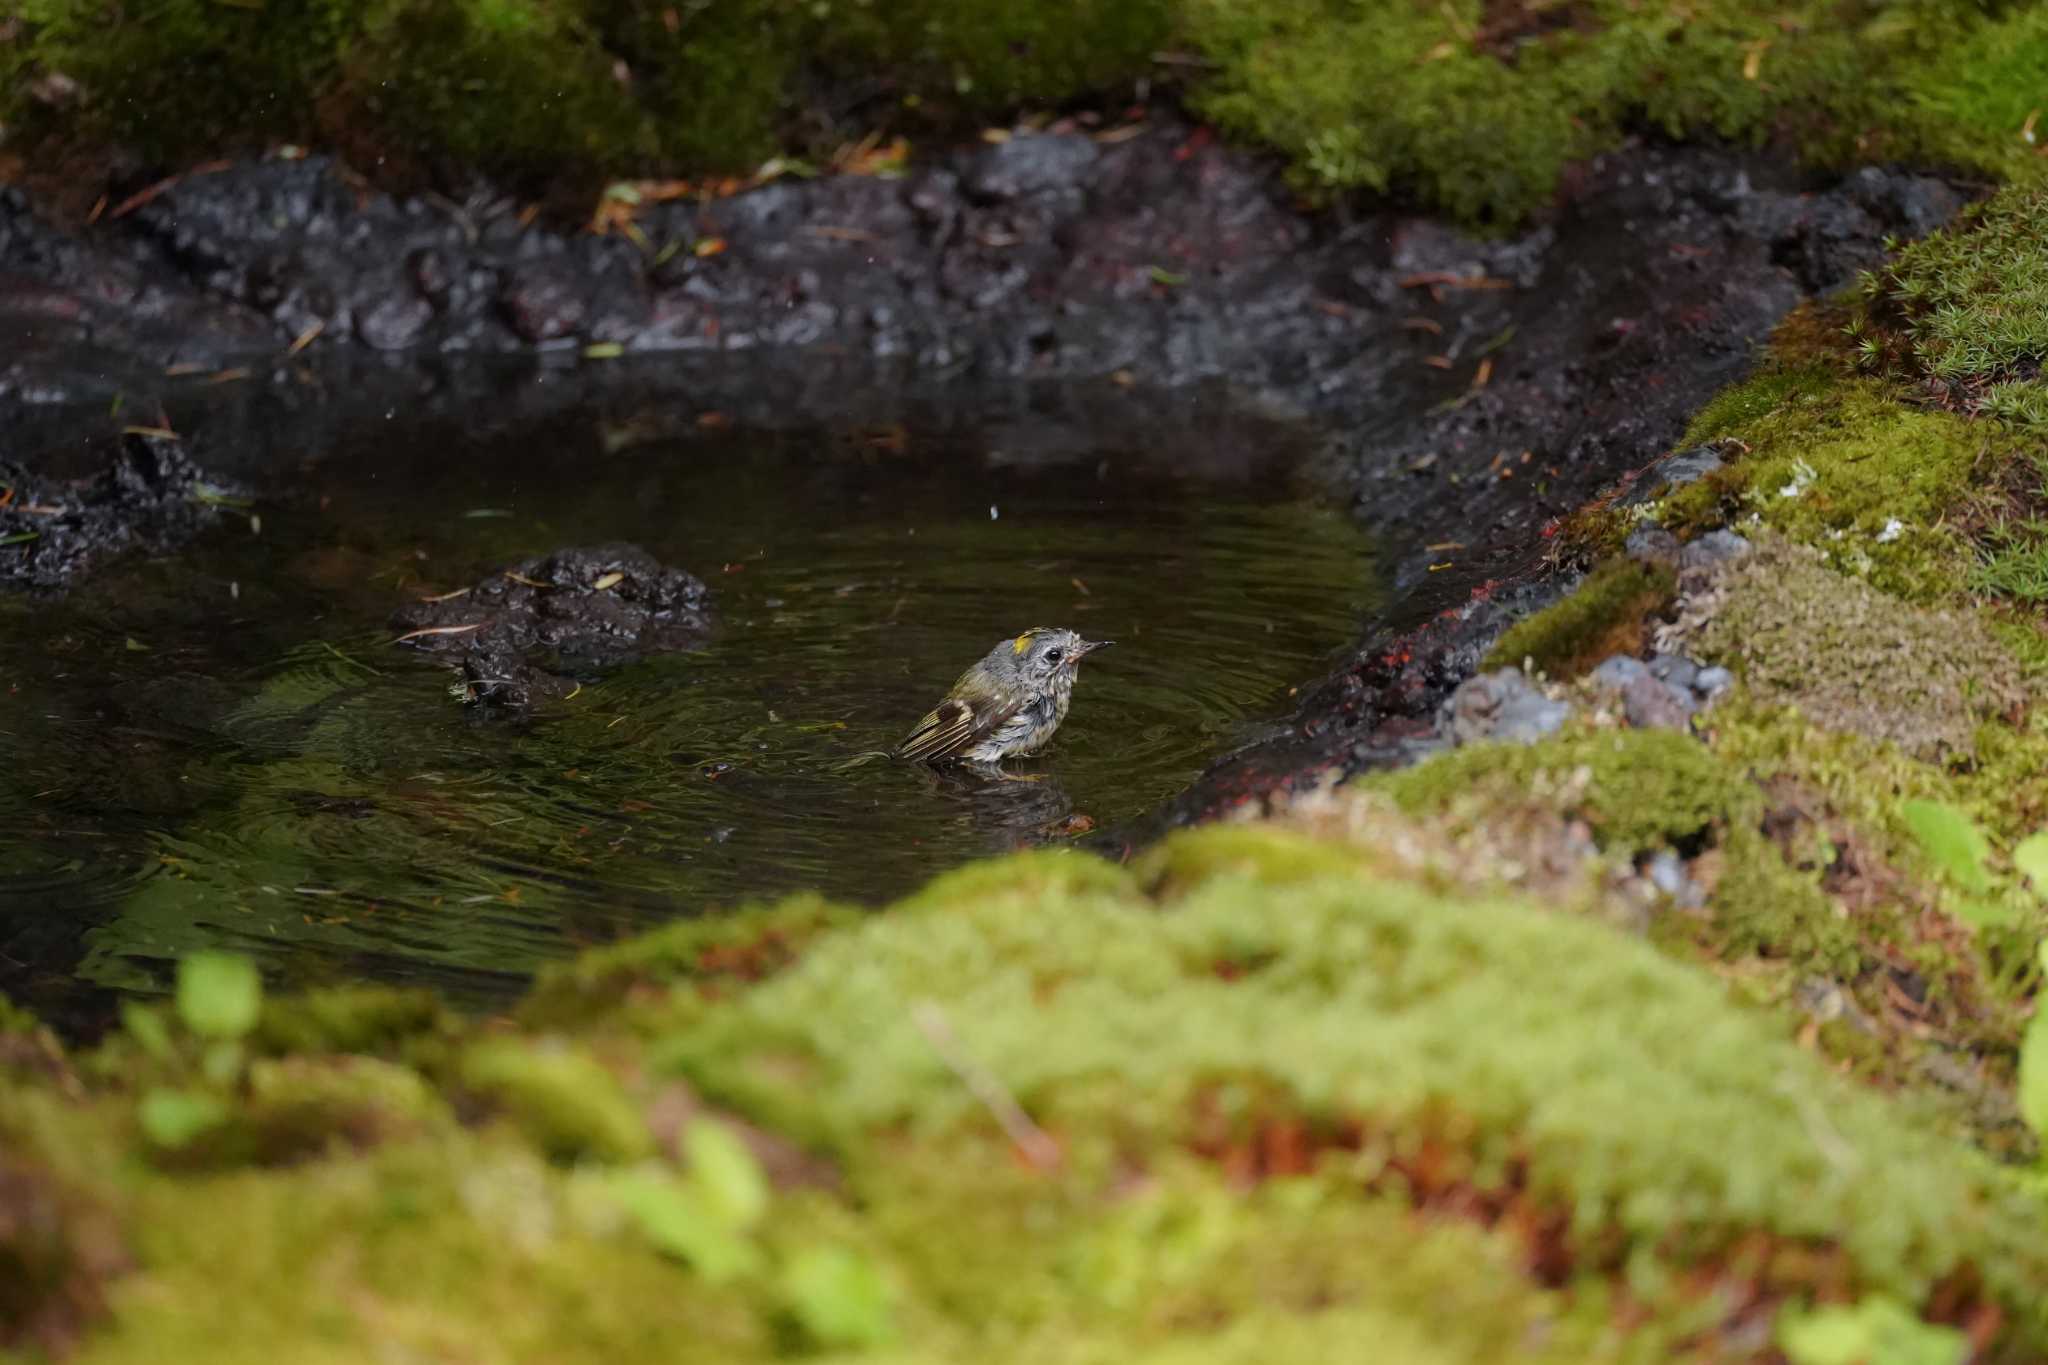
(226, 749)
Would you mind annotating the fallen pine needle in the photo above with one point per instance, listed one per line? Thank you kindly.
(438, 630)
(1037, 1147)
(161, 433)
(305, 338)
(448, 596)
(529, 582)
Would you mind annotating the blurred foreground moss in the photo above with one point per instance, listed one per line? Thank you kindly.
(1034, 1112)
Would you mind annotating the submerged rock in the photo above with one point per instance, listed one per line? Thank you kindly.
(150, 496)
(511, 635)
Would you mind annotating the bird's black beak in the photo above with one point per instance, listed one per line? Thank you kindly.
(1090, 646)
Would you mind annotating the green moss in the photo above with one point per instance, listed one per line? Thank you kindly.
(1024, 877)
(1637, 788)
(1853, 658)
(1655, 1116)
(1604, 616)
(1763, 907)
(1834, 466)
(366, 1019)
(1975, 297)
(1971, 99)
(1468, 107)
(568, 1104)
(15, 1019)
(746, 944)
(1278, 857)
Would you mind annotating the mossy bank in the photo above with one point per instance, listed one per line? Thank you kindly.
(1046, 1108)
(1467, 107)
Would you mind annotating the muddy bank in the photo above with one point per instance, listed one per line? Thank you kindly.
(1465, 393)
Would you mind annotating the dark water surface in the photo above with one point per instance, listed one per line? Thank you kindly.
(225, 748)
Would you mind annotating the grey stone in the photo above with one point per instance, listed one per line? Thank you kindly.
(1712, 682)
(1675, 669)
(1500, 705)
(1666, 871)
(1618, 672)
(1713, 549)
(1673, 471)
(1653, 705)
(1653, 545)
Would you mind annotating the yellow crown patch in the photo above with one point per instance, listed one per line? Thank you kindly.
(1022, 643)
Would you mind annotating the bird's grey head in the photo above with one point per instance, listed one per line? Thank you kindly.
(1043, 654)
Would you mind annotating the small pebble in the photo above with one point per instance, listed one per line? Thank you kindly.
(1501, 705)
(1711, 549)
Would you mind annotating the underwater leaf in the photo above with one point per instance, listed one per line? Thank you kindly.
(172, 1118)
(2031, 858)
(1875, 1331)
(219, 994)
(724, 1174)
(675, 1219)
(1951, 841)
(837, 1296)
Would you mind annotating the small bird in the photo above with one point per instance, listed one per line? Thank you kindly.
(1006, 705)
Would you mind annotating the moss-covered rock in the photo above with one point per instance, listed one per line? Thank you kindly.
(1605, 615)
(1638, 789)
(1853, 658)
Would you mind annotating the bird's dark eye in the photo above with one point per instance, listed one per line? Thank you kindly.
(1052, 656)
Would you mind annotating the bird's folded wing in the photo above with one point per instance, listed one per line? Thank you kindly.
(950, 727)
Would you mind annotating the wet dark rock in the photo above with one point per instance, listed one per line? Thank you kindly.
(149, 496)
(513, 635)
(394, 323)
(543, 303)
(1029, 165)
(1502, 705)
(1651, 544)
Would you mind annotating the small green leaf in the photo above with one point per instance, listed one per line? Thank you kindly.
(603, 350)
(173, 1118)
(1875, 1331)
(725, 1175)
(219, 994)
(1951, 841)
(838, 1297)
(674, 1218)
(2031, 858)
(1161, 275)
(2033, 1086)
(148, 1029)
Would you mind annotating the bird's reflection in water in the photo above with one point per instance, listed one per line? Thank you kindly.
(1014, 806)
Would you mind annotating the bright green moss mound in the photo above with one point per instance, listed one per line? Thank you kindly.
(1638, 789)
(1469, 107)
(1252, 1076)
(1655, 1115)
